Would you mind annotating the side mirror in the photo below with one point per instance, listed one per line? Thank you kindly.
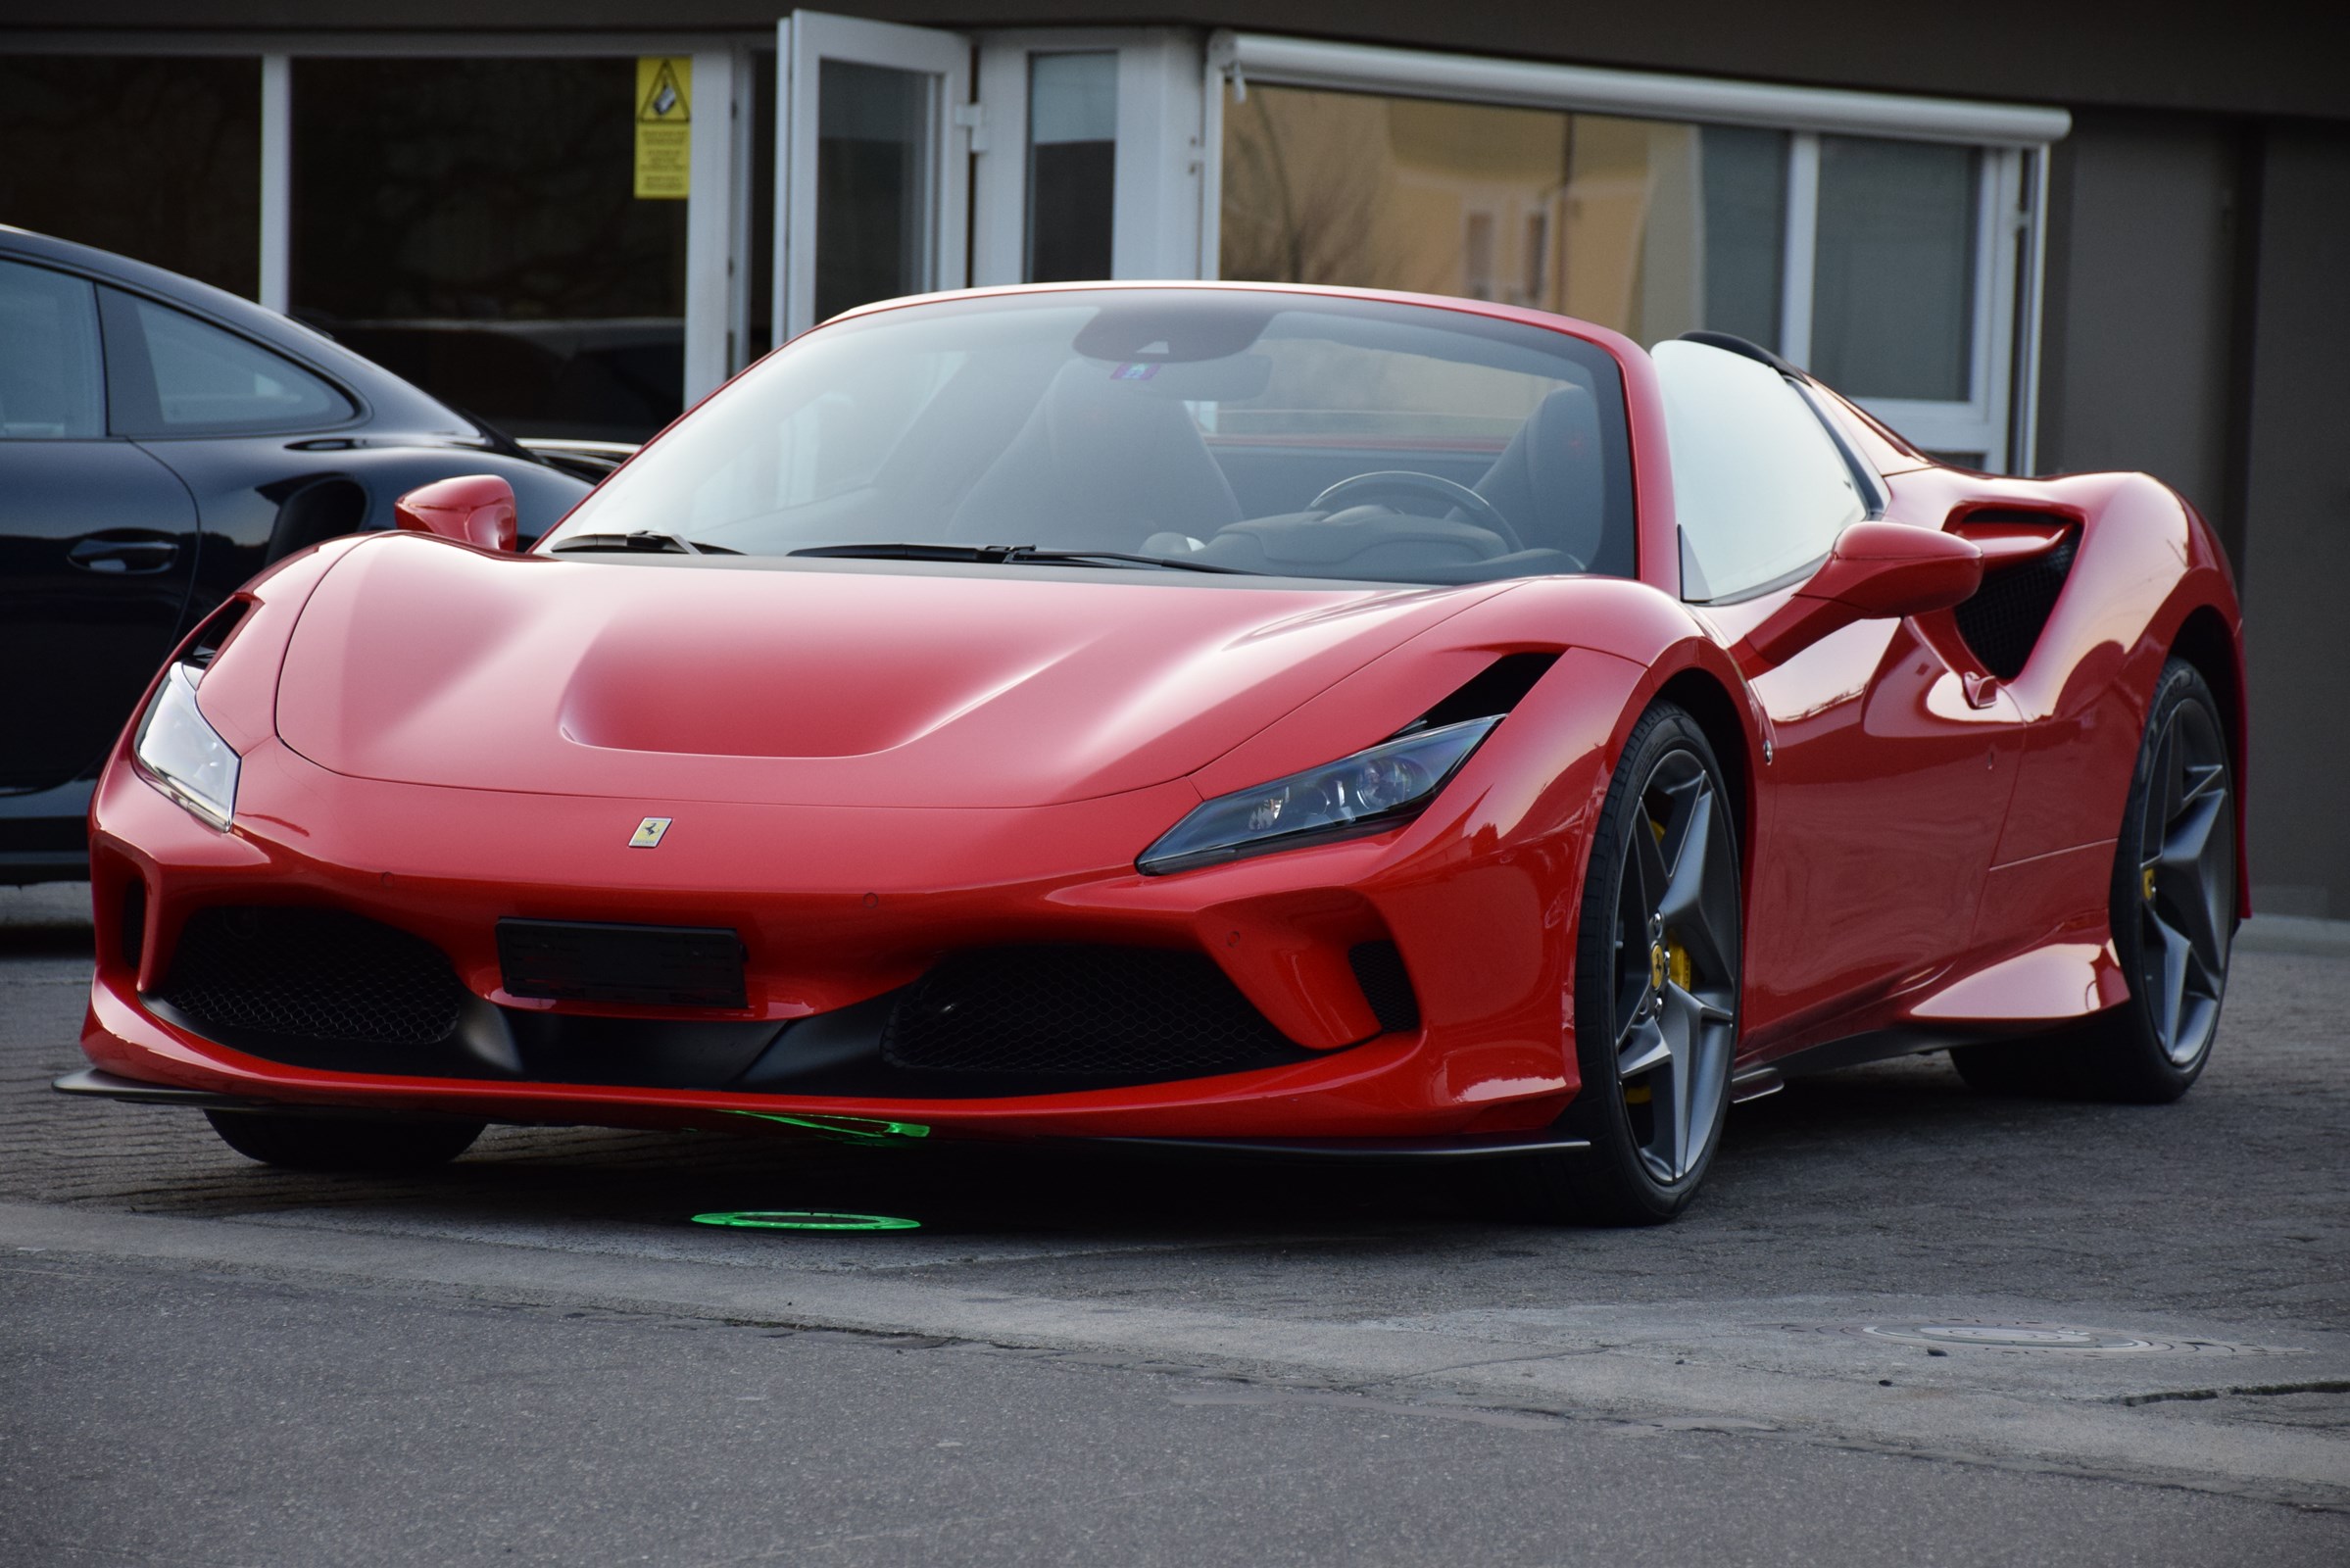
(1876, 571)
(477, 510)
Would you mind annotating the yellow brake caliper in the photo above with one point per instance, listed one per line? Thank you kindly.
(1667, 961)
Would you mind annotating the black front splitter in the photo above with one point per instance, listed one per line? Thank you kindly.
(1400, 1149)
(97, 1083)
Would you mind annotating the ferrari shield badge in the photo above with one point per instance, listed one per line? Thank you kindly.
(648, 832)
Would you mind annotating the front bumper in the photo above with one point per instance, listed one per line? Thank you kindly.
(869, 900)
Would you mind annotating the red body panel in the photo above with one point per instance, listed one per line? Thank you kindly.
(438, 736)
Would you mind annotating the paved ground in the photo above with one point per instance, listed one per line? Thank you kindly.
(535, 1357)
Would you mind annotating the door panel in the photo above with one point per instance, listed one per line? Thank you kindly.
(872, 162)
(1888, 790)
(97, 549)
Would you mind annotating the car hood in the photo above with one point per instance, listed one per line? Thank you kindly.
(832, 683)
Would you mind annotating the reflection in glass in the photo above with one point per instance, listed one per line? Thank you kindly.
(205, 379)
(1275, 434)
(874, 133)
(1745, 230)
(49, 377)
(470, 224)
(1073, 165)
(157, 159)
(1647, 226)
(1893, 296)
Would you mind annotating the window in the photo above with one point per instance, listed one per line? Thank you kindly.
(470, 224)
(874, 137)
(1477, 256)
(1647, 226)
(155, 158)
(1260, 433)
(1893, 295)
(177, 375)
(1759, 488)
(1889, 244)
(1536, 281)
(1073, 165)
(50, 386)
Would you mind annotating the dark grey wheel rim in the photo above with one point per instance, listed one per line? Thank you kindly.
(1675, 993)
(2185, 884)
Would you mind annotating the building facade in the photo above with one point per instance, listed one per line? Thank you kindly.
(2031, 237)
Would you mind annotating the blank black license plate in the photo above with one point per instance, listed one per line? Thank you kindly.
(657, 965)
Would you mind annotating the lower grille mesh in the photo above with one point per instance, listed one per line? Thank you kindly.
(1083, 1011)
(315, 974)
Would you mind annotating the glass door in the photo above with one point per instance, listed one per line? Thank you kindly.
(872, 154)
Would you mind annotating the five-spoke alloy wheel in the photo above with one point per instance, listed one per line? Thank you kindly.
(1656, 988)
(2174, 905)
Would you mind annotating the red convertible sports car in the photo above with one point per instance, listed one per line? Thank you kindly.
(1279, 718)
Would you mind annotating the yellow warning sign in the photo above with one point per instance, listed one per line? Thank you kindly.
(664, 127)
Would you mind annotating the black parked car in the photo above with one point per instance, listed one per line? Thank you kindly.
(159, 442)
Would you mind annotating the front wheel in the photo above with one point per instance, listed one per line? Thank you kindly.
(2173, 920)
(1656, 988)
(344, 1143)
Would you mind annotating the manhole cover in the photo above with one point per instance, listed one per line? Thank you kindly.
(1979, 1334)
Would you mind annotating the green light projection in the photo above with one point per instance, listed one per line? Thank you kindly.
(794, 1219)
(847, 1129)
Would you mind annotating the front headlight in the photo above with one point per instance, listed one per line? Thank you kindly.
(1364, 793)
(185, 754)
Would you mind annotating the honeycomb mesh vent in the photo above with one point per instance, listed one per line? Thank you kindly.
(316, 974)
(2004, 618)
(1378, 970)
(1084, 1012)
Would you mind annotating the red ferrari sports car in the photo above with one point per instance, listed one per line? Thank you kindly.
(1281, 718)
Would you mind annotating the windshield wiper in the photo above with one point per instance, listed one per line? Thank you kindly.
(642, 539)
(998, 555)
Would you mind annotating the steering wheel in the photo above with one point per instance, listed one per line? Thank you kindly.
(1403, 481)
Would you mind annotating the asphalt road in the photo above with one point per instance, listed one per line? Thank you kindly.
(536, 1358)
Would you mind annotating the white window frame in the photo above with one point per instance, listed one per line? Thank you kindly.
(1155, 223)
(804, 40)
(1996, 424)
(1979, 428)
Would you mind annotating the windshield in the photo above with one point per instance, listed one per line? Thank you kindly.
(1290, 435)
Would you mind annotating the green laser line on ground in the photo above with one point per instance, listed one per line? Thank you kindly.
(792, 1219)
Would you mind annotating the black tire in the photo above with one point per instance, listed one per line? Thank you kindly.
(344, 1143)
(2173, 920)
(1656, 982)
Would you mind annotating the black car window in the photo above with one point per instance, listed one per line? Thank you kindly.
(173, 374)
(50, 380)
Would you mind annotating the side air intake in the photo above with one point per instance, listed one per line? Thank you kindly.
(1492, 690)
(2002, 622)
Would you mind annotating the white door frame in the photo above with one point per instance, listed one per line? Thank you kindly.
(804, 40)
(1155, 223)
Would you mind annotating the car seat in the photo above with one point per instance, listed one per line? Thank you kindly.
(1102, 463)
(1548, 483)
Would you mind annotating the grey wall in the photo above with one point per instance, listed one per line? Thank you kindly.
(2198, 328)
(2297, 513)
(2139, 355)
